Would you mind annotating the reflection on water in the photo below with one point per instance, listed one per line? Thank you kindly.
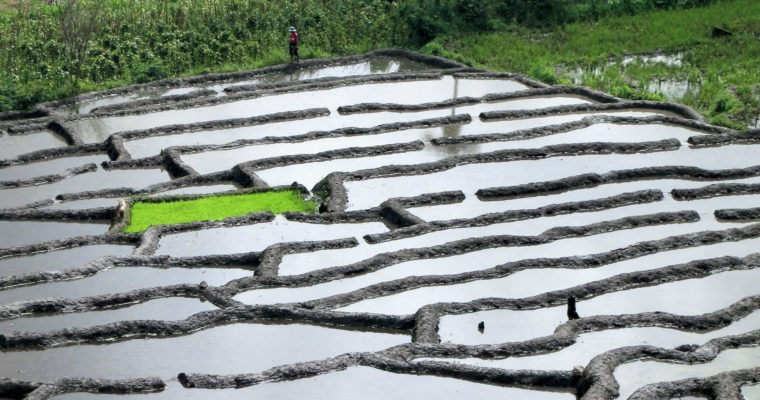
(670, 60)
(229, 349)
(357, 382)
(92, 133)
(85, 107)
(381, 65)
(12, 146)
(672, 89)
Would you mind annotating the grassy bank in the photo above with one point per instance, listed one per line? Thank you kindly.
(719, 77)
(213, 208)
(136, 41)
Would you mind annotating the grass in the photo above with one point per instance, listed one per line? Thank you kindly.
(143, 40)
(717, 68)
(213, 208)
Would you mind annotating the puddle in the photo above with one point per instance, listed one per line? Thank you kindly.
(179, 91)
(101, 179)
(97, 130)
(169, 309)
(673, 89)
(12, 146)
(670, 60)
(55, 166)
(238, 348)
(257, 237)
(83, 204)
(588, 345)
(634, 375)
(18, 233)
(198, 190)
(356, 382)
(60, 259)
(469, 178)
(687, 297)
(122, 279)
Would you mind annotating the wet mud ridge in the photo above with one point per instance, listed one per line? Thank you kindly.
(479, 235)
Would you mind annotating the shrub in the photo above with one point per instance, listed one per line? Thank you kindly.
(544, 74)
(149, 72)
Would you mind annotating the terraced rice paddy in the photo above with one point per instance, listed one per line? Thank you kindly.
(460, 210)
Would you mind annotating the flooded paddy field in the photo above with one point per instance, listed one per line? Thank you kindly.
(479, 235)
(16, 145)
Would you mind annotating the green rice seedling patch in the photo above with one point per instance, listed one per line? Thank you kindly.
(145, 214)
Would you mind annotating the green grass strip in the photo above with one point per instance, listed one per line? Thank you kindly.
(213, 208)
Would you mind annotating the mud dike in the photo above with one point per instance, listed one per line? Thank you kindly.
(461, 209)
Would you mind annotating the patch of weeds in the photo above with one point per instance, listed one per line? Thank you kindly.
(627, 92)
(149, 72)
(145, 214)
(438, 48)
(545, 75)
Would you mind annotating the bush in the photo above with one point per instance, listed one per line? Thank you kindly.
(725, 103)
(544, 74)
(723, 120)
(627, 92)
(149, 72)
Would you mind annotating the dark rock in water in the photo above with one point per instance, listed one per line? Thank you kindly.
(720, 32)
(571, 312)
(687, 347)
(481, 326)
(203, 285)
(182, 378)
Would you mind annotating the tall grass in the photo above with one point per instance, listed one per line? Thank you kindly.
(719, 67)
(141, 40)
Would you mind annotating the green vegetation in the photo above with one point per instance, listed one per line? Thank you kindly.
(52, 51)
(142, 40)
(145, 214)
(719, 77)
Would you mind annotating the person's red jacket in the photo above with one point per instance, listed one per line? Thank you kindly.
(294, 38)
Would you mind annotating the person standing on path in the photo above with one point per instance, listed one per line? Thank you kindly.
(294, 40)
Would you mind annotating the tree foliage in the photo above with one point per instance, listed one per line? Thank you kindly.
(79, 22)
